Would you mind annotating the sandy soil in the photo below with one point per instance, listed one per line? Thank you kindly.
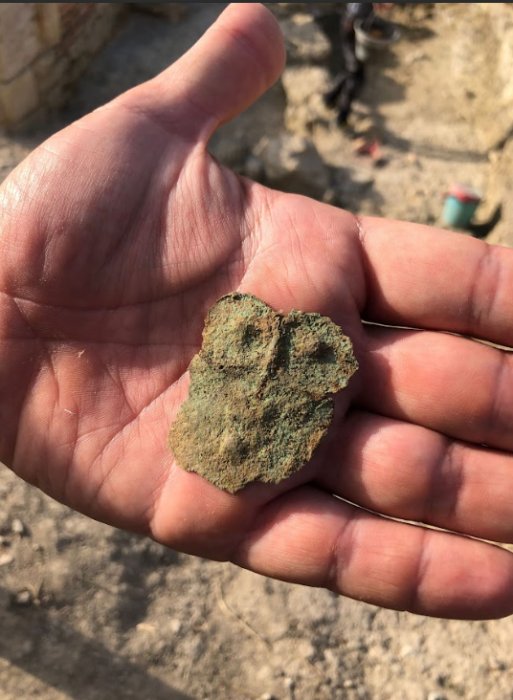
(90, 613)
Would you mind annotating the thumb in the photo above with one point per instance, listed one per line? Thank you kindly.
(234, 62)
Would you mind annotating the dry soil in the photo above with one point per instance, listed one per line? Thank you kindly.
(91, 613)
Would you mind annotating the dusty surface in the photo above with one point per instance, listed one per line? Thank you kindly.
(90, 613)
(273, 376)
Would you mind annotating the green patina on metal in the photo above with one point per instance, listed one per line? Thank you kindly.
(261, 393)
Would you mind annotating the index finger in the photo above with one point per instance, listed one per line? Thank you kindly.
(424, 277)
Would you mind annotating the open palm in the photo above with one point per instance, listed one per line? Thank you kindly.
(119, 233)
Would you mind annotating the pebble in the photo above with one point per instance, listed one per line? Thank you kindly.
(23, 598)
(362, 178)
(289, 683)
(436, 696)
(18, 528)
(330, 196)
(266, 696)
(498, 665)
(412, 159)
(415, 57)
(6, 559)
(145, 627)
(406, 650)
(175, 626)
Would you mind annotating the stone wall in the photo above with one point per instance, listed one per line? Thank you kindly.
(43, 48)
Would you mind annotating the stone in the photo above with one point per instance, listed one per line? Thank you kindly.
(49, 20)
(349, 683)
(50, 69)
(19, 97)
(23, 598)
(79, 48)
(6, 559)
(261, 392)
(19, 38)
(289, 683)
(18, 527)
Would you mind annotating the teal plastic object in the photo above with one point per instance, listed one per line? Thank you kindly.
(460, 205)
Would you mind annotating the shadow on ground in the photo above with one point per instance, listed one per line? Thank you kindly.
(70, 662)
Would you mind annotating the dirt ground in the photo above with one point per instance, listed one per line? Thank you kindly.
(91, 613)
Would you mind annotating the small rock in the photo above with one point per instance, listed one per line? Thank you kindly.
(412, 159)
(433, 695)
(289, 683)
(361, 179)
(18, 528)
(145, 627)
(415, 57)
(349, 683)
(23, 598)
(330, 196)
(498, 665)
(175, 626)
(6, 559)
(407, 650)
(267, 696)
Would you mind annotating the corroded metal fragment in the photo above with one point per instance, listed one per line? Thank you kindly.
(260, 398)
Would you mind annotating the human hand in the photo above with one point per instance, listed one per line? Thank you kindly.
(119, 233)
